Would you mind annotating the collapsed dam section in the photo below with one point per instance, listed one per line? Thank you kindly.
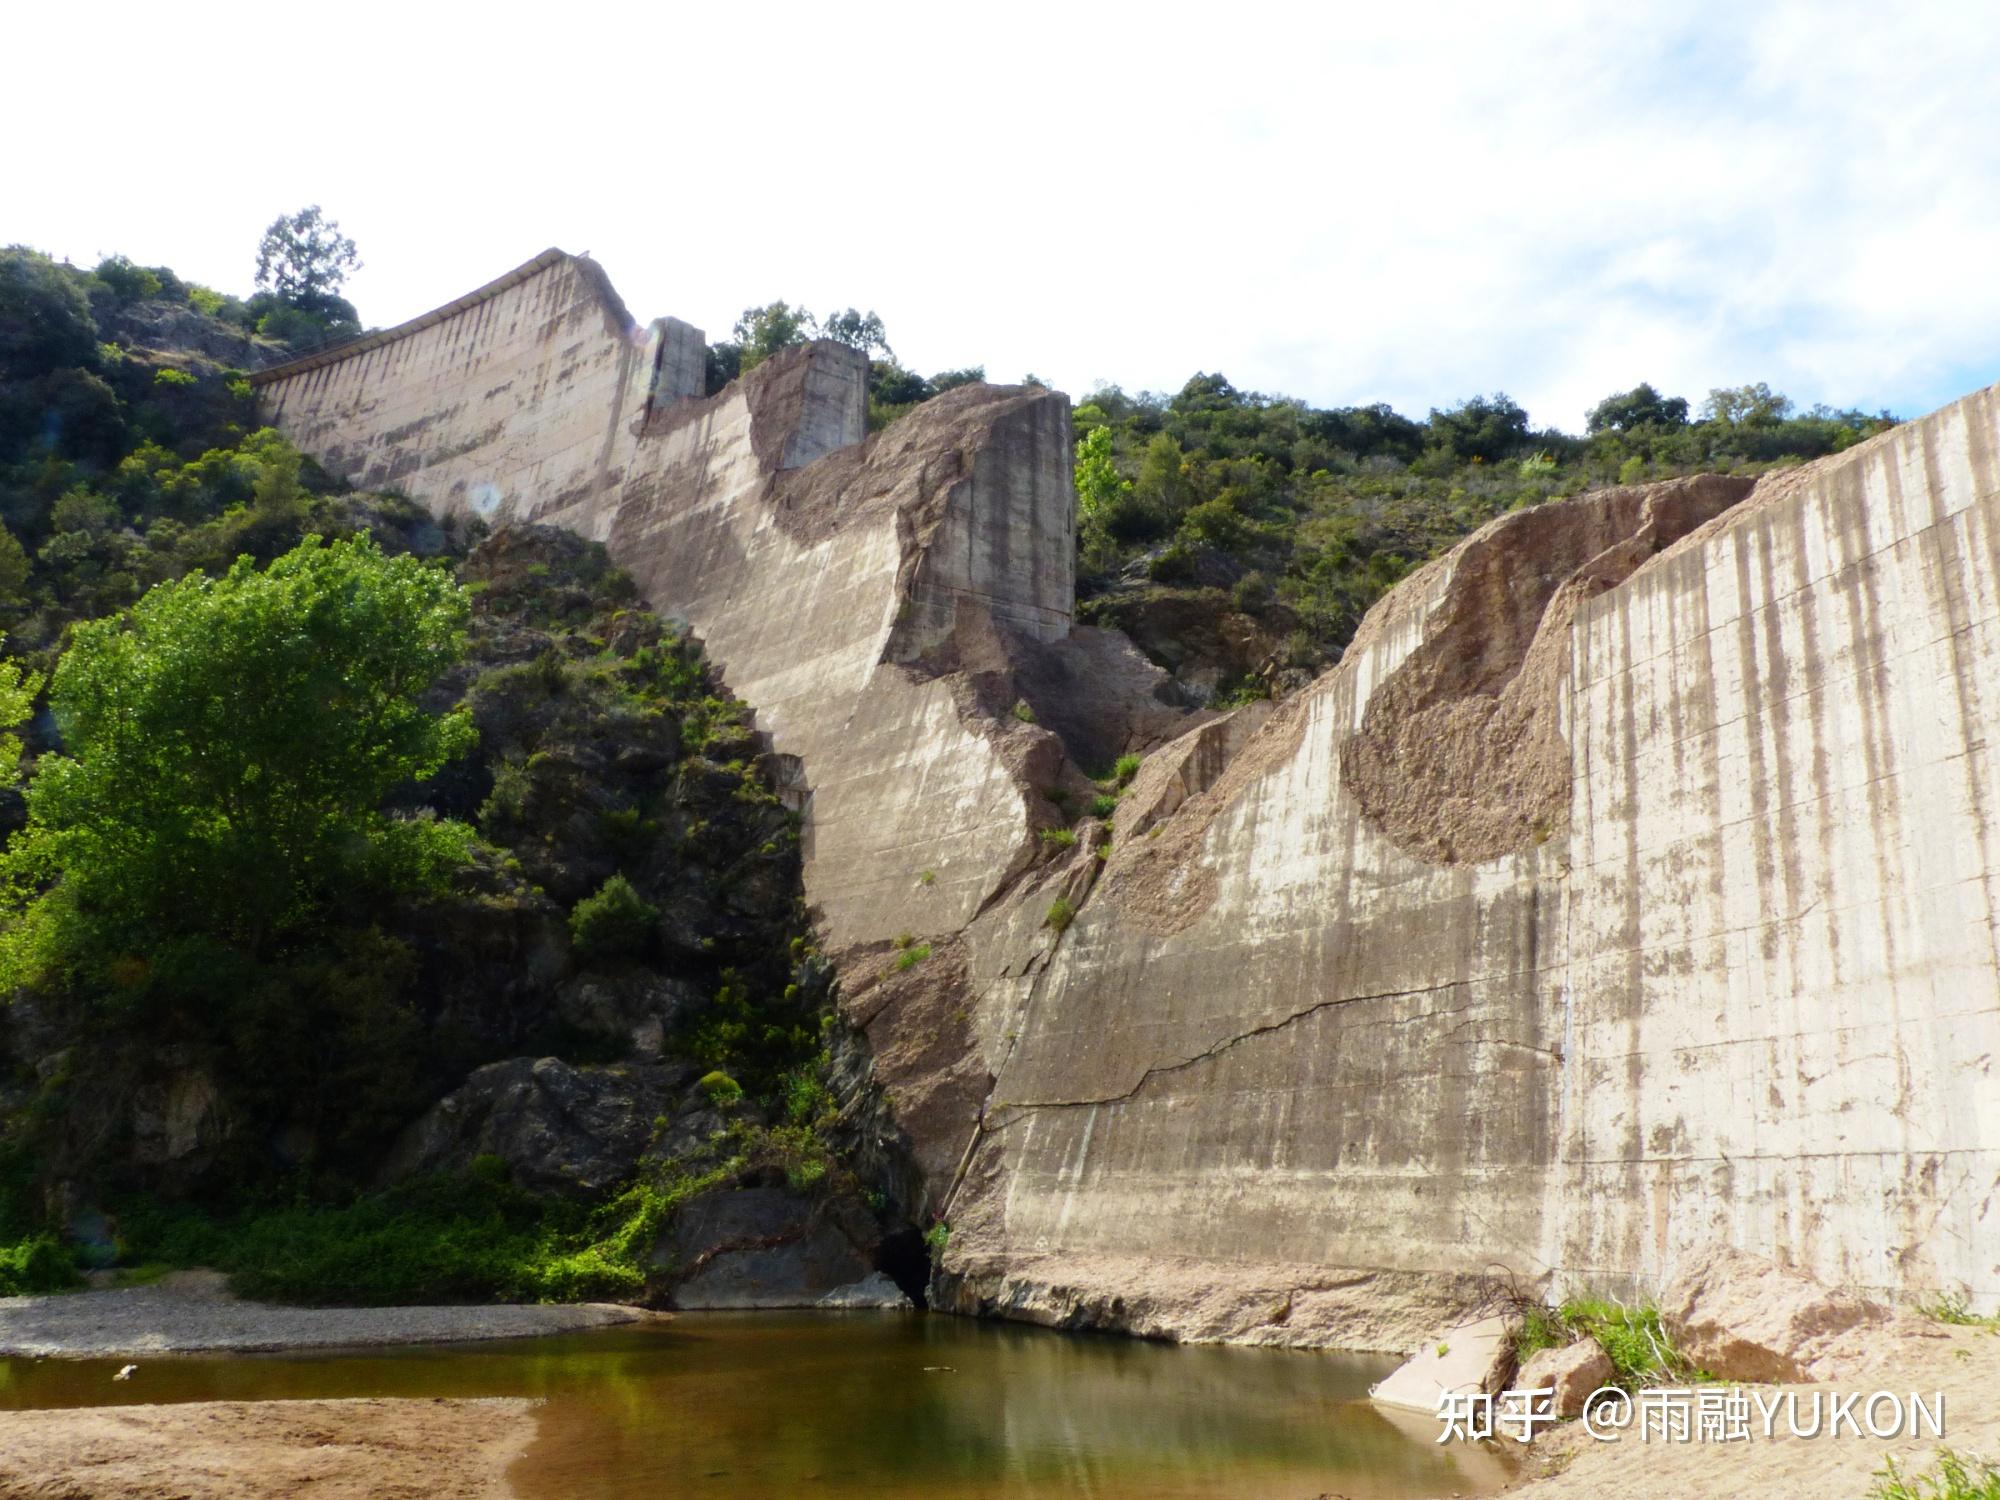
(1629, 885)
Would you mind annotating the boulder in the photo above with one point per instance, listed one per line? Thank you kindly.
(764, 1247)
(1571, 1373)
(559, 1128)
(1740, 1317)
(1472, 1357)
(875, 1290)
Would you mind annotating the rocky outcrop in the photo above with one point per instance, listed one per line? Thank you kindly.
(560, 1129)
(1627, 886)
(1739, 1317)
(765, 1247)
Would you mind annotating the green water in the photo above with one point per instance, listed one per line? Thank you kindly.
(881, 1405)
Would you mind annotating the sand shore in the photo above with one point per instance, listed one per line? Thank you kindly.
(193, 1311)
(245, 1450)
(1963, 1363)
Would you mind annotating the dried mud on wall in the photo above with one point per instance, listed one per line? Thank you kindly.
(1629, 885)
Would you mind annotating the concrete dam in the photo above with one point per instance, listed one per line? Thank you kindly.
(1629, 886)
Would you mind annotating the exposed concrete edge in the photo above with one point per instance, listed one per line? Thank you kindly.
(523, 272)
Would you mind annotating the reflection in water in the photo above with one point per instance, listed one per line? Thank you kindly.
(851, 1404)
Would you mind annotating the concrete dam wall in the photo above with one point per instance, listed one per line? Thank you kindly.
(1629, 885)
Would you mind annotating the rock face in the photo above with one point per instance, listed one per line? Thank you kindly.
(1627, 887)
(559, 1128)
(1739, 1317)
(764, 1247)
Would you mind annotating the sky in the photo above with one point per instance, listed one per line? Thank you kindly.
(1409, 203)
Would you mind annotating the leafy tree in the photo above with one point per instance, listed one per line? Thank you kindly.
(1162, 486)
(127, 282)
(304, 257)
(763, 331)
(45, 321)
(14, 567)
(1485, 429)
(17, 702)
(857, 331)
(1642, 406)
(1099, 485)
(1747, 405)
(229, 745)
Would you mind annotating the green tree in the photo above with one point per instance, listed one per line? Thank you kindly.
(1747, 405)
(1099, 485)
(763, 331)
(304, 257)
(858, 331)
(1642, 406)
(17, 701)
(1485, 429)
(1162, 486)
(229, 745)
(45, 320)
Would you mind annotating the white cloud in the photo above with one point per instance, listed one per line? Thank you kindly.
(1342, 203)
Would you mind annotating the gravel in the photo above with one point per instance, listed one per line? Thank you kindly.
(193, 1310)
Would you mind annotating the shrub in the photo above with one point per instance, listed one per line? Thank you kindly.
(1103, 805)
(615, 923)
(1632, 1337)
(909, 958)
(1955, 1308)
(1126, 769)
(722, 1090)
(35, 1266)
(1061, 914)
(1024, 711)
(1059, 838)
(1957, 1478)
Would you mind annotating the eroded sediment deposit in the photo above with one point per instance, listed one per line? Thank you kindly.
(1628, 886)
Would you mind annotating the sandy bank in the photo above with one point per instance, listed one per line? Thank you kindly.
(1963, 1363)
(333, 1450)
(193, 1310)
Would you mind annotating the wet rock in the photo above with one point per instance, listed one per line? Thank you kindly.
(1740, 1317)
(559, 1128)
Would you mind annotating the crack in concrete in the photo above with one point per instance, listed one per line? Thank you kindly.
(1210, 1053)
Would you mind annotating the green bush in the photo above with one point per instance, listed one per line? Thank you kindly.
(1059, 838)
(1638, 1346)
(1956, 1478)
(909, 958)
(35, 1266)
(722, 1090)
(1126, 768)
(1061, 914)
(469, 1238)
(616, 923)
(1103, 805)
